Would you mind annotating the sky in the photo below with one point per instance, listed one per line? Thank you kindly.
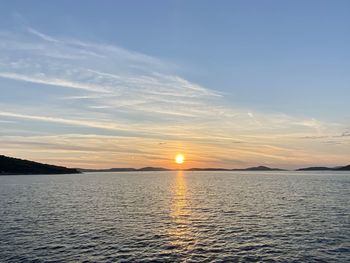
(232, 84)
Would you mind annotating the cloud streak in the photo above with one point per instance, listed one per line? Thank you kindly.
(149, 111)
(54, 82)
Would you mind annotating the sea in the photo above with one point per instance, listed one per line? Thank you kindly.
(176, 216)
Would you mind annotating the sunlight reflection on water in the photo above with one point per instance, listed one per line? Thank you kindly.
(180, 229)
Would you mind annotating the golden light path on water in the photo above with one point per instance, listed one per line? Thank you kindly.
(180, 231)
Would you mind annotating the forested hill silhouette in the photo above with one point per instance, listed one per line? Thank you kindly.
(9, 165)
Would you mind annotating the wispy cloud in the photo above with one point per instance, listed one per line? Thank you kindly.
(41, 35)
(53, 82)
(140, 101)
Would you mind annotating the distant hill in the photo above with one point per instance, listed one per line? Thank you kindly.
(9, 165)
(155, 169)
(255, 168)
(314, 169)
(259, 168)
(145, 169)
(321, 168)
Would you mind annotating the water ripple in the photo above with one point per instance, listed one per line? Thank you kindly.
(175, 217)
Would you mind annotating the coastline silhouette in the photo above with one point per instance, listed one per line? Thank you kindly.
(15, 166)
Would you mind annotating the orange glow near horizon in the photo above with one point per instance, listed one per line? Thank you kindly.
(179, 158)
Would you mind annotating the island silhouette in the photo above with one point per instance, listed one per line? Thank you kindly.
(321, 168)
(10, 165)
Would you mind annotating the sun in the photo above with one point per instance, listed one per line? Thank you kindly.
(179, 158)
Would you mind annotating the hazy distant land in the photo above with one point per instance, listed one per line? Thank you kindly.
(257, 168)
(321, 168)
(9, 165)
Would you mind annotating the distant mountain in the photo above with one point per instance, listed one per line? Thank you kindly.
(314, 169)
(146, 169)
(155, 169)
(256, 168)
(9, 165)
(259, 168)
(341, 168)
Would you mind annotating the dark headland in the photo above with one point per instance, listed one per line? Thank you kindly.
(9, 166)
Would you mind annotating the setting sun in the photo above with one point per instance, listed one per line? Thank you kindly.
(179, 158)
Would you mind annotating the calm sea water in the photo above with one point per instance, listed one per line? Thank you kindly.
(176, 217)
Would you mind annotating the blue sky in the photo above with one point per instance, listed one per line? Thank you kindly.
(261, 74)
